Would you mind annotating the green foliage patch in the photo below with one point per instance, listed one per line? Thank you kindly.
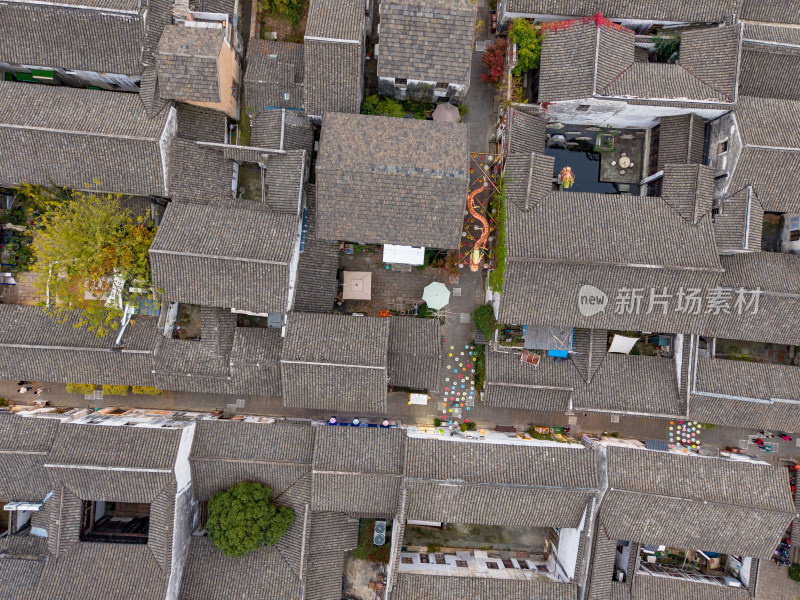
(243, 518)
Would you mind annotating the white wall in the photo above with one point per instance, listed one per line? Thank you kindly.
(617, 113)
(566, 554)
(165, 145)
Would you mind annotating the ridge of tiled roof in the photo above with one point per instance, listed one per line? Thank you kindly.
(656, 10)
(428, 40)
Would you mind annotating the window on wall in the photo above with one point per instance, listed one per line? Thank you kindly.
(115, 522)
(401, 80)
(722, 147)
(442, 84)
(584, 107)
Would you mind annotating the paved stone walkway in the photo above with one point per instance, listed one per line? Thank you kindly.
(774, 583)
(391, 289)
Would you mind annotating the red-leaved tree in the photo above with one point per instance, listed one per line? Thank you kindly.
(493, 59)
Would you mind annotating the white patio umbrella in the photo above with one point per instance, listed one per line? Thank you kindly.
(447, 113)
(436, 295)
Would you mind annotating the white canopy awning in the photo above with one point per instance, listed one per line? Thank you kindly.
(406, 255)
(622, 345)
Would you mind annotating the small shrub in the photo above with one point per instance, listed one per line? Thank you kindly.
(115, 390)
(437, 422)
(667, 48)
(480, 366)
(528, 38)
(3, 402)
(289, 8)
(390, 108)
(468, 426)
(369, 106)
(463, 109)
(493, 59)
(423, 312)
(499, 215)
(146, 390)
(433, 548)
(485, 321)
(794, 572)
(80, 388)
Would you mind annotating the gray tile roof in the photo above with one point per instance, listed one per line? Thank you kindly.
(415, 353)
(37, 347)
(201, 124)
(282, 130)
(23, 444)
(331, 534)
(256, 442)
(336, 339)
(335, 362)
(558, 48)
(528, 177)
(68, 136)
(274, 69)
(359, 450)
(735, 507)
(20, 578)
(427, 40)
(772, 272)
(198, 173)
(210, 575)
(771, 145)
(511, 384)
(412, 586)
(398, 181)
(234, 256)
(79, 449)
(775, 11)
(771, 71)
(646, 586)
(334, 67)
(357, 471)
(740, 394)
(105, 569)
(540, 233)
(284, 178)
(681, 140)
(92, 38)
(336, 19)
(317, 282)
(123, 447)
(689, 189)
(651, 10)
(619, 383)
(452, 480)
(254, 360)
(776, 33)
(334, 74)
(741, 380)
(738, 226)
(187, 63)
(526, 132)
(541, 265)
(608, 69)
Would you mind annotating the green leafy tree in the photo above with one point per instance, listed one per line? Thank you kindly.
(485, 321)
(293, 9)
(390, 108)
(528, 38)
(668, 48)
(243, 518)
(91, 247)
